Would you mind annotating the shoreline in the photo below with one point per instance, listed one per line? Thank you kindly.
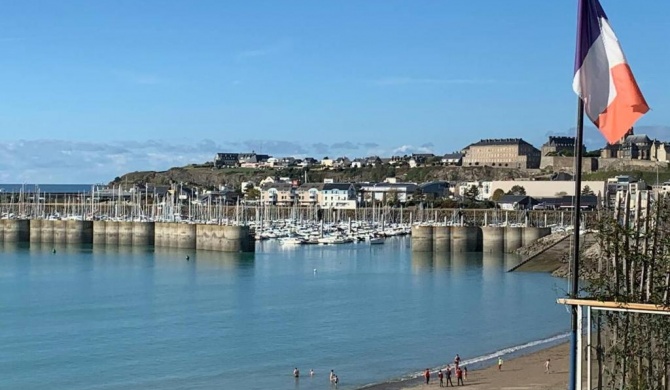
(520, 368)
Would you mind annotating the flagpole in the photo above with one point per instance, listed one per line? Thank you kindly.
(574, 293)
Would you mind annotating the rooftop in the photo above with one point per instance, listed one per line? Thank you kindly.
(500, 142)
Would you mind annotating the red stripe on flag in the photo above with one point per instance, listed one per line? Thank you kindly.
(628, 106)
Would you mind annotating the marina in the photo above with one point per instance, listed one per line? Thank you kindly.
(115, 217)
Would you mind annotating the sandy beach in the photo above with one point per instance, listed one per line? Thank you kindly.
(524, 372)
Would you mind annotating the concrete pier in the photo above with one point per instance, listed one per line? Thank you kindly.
(78, 232)
(493, 239)
(112, 229)
(513, 239)
(185, 235)
(143, 233)
(14, 230)
(99, 232)
(161, 234)
(59, 228)
(136, 234)
(125, 233)
(489, 239)
(422, 238)
(465, 239)
(223, 238)
(47, 232)
(442, 239)
(36, 230)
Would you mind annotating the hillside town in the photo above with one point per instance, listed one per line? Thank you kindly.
(546, 183)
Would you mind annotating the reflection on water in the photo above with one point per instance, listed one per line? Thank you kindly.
(490, 264)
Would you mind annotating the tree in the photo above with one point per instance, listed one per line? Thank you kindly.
(497, 194)
(253, 194)
(587, 190)
(630, 264)
(517, 190)
(471, 193)
(392, 198)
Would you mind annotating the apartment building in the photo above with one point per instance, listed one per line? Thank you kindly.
(502, 153)
(338, 196)
(278, 194)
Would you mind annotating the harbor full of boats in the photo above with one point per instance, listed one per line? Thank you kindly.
(290, 232)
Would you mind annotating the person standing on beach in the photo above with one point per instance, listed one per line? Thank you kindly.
(500, 362)
(459, 376)
(440, 375)
(427, 375)
(449, 382)
(547, 366)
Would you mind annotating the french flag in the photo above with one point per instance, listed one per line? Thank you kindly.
(603, 79)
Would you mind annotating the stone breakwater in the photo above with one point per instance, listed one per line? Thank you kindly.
(489, 239)
(111, 233)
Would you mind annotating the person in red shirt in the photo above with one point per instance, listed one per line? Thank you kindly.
(459, 376)
(427, 375)
(441, 376)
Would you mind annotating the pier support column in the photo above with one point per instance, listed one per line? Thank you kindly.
(99, 232)
(14, 230)
(442, 238)
(465, 239)
(125, 233)
(143, 233)
(493, 239)
(422, 238)
(513, 239)
(112, 236)
(36, 230)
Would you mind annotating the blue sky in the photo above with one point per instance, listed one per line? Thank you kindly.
(93, 89)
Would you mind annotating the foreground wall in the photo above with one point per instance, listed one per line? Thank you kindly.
(111, 233)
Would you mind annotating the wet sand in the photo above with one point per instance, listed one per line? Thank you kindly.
(521, 373)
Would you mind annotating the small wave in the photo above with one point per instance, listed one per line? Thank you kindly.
(498, 353)
(517, 348)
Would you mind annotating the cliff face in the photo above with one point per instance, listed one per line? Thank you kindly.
(209, 177)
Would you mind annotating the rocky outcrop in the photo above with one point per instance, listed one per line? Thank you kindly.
(207, 176)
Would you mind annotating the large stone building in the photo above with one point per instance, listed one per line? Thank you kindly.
(502, 153)
(636, 147)
(558, 146)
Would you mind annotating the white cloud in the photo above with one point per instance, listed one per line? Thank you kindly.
(409, 149)
(45, 161)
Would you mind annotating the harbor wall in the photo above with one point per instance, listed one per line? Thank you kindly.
(14, 230)
(487, 239)
(138, 234)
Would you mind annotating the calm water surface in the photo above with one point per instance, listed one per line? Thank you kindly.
(127, 318)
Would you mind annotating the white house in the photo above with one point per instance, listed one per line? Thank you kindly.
(327, 162)
(338, 196)
(402, 192)
(484, 189)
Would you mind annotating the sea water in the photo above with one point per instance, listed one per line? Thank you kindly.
(144, 318)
